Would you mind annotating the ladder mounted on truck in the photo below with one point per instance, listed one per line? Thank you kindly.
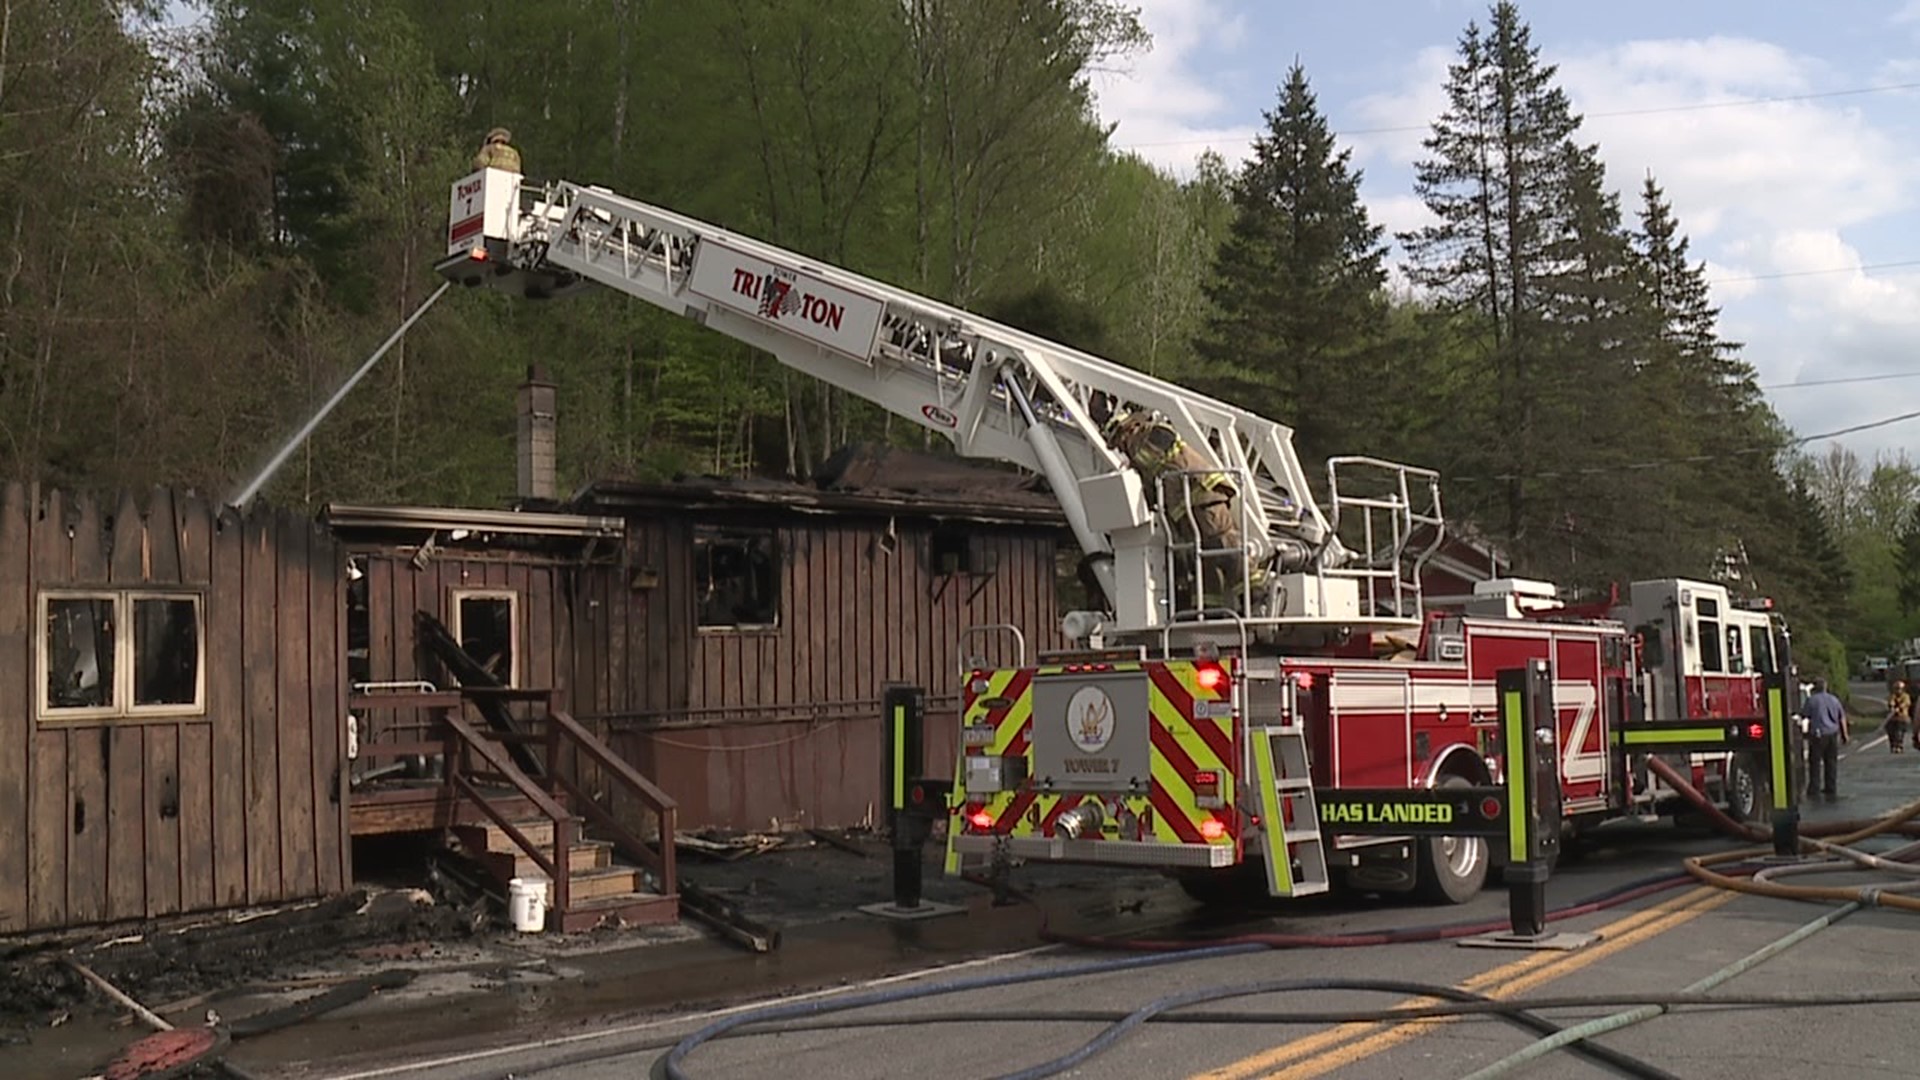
(994, 392)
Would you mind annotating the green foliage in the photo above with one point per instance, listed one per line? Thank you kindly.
(1296, 285)
(240, 217)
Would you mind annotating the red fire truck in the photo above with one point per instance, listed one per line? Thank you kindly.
(1251, 651)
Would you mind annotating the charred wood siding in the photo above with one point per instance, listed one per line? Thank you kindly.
(750, 726)
(238, 803)
(394, 588)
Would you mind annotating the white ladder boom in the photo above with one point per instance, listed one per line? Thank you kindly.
(994, 391)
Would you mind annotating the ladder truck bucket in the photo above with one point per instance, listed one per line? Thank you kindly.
(487, 226)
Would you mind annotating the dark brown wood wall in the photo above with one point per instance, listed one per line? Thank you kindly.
(103, 821)
(396, 589)
(745, 728)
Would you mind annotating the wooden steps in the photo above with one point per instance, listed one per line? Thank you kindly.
(598, 887)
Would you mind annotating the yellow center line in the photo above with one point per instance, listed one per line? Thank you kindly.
(1326, 1050)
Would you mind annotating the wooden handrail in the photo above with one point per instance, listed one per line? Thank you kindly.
(600, 752)
(663, 863)
(557, 870)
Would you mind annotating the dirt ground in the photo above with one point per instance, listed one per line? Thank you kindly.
(435, 940)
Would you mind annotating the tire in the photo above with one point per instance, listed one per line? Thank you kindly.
(1747, 800)
(1452, 869)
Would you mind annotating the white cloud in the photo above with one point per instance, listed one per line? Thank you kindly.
(1765, 192)
(1164, 104)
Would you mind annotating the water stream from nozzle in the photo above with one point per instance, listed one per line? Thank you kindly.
(240, 501)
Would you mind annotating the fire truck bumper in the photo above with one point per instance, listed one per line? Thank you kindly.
(1119, 852)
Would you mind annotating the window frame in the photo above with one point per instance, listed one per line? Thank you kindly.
(121, 708)
(456, 625)
(702, 538)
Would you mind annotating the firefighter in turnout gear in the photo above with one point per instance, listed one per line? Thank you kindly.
(1200, 501)
(496, 153)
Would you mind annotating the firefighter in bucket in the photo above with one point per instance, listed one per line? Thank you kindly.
(1199, 502)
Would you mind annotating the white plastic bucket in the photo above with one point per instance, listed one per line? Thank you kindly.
(527, 904)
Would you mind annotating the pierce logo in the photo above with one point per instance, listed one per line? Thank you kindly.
(939, 416)
(1090, 719)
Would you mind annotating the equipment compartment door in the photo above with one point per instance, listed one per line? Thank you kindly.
(1583, 731)
(1090, 733)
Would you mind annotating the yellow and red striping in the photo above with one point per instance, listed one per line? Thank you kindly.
(1184, 746)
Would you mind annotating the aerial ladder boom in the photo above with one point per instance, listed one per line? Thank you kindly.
(993, 391)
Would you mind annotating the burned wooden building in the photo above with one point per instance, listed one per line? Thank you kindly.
(206, 709)
(170, 734)
(730, 639)
(740, 652)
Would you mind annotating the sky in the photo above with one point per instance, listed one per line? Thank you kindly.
(1786, 136)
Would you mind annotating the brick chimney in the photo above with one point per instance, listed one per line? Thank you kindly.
(534, 436)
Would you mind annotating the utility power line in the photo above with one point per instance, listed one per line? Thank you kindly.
(1690, 459)
(1847, 379)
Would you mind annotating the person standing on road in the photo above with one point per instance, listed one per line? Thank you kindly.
(1899, 715)
(1826, 730)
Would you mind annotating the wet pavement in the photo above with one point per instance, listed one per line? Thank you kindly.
(605, 1004)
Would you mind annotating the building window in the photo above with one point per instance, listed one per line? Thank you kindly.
(486, 624)
(736, 578)
(115, 655)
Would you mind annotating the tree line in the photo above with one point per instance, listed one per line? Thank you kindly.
(209, 226)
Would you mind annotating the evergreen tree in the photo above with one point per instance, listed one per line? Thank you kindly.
(1296, 286)
(1498, 180)
(1907, 556)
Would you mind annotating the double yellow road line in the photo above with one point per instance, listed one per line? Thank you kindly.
(1322, 1052)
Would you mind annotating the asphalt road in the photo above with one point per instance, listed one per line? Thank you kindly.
(1662, 943)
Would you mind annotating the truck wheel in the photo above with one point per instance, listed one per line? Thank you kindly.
(1746, 792)
(1453, 869)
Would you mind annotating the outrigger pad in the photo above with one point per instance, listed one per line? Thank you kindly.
(1561, 942)
(927, 909)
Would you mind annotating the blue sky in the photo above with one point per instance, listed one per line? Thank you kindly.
(1795, 205)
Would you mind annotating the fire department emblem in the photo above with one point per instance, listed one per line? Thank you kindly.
(777, 297)
(1090, 719)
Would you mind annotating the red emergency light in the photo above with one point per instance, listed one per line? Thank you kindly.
(1213, 829)
(1209, 675)
(1757, 732)
(980, 819)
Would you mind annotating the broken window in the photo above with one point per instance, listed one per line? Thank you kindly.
(485, 625)
(166, 651)
(120, 654)
(736, 578)
(79, 651)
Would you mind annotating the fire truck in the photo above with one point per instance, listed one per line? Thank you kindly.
(1240, 667)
